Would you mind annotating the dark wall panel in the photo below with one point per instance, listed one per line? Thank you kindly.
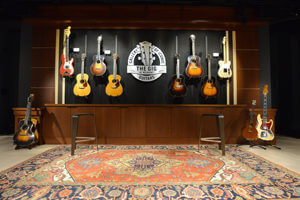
(135, 91)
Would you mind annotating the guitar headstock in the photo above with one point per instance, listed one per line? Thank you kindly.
(265, 91)
(193, 37)
(224, 40)
(30, 98)
(68, 31)
(253, 102)
(99, 38)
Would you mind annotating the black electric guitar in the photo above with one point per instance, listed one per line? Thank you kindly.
(27, 133)
(178, 87)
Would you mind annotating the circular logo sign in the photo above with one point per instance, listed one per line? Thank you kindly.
(146, 62)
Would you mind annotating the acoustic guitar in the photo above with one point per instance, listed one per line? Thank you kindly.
(224, 69)
(27, 133)
(264, 127)
(66, 68)
(82, 87)
(249, 132)
(98, 67)
(194, 68)
(209, 89)
(178, 87)
(114, 87)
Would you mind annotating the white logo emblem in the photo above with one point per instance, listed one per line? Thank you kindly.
(149, 65)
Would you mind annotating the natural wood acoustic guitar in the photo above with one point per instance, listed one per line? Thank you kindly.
(82, 87)
(114, 87)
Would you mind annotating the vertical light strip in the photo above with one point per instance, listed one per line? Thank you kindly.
(234, 68)
(56, 65)
(227, 82)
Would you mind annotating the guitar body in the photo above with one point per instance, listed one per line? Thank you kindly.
(194, 69)
(178, 87)
(66, 68)
(114, 87)
(98, 68)
(209, 89)
(82, 87)
(250, 132)
(224, 70)
(264, 132)
(27, 134)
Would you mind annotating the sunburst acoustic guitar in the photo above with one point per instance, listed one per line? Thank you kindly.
(98, 67)
(178, 87)
(194, 68)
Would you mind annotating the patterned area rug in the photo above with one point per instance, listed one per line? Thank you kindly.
(148, 172)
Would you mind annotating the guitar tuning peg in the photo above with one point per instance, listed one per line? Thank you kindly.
(139, 58)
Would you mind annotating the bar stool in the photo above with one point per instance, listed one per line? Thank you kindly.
(221, 138)
(75, 139)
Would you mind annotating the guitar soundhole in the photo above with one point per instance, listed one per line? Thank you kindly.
(81, 81)
(178, 80)
(24, 127)
(98, 61)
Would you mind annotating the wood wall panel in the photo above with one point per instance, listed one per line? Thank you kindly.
(137, 124)
(43, 37)
(133, 122)
(248, 79)
(42, 77)
(247, 40)
(247, 59)
(56, 125)
(245, 96)
(108, 122)
(42, 96)
(85, 123)
(43, 57)
(158, 122)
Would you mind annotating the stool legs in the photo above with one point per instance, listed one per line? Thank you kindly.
(96, 135)
(220, 122)
(74, 133)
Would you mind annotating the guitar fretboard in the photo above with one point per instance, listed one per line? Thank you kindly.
(265, 110)
(67, 48)
(28, 112)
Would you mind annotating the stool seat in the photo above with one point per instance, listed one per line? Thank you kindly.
(220, 124)
(75, 138)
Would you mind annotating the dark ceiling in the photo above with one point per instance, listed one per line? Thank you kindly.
(273, 10)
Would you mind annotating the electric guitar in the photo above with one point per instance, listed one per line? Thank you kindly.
(27, 133)
(224, 69)
(98, 67)
(66, 68)
(209, 89)
(114, 87)
(82, 87)
(194, 68)
(264, 127)
(249, 132)
(178, 87)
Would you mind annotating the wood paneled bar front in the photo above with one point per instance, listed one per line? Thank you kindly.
(142, 123)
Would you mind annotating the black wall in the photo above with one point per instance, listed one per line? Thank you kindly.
(135, 91)
(285, 62)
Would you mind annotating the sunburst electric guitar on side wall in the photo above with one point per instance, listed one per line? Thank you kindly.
(82, 87)
(224, 69)
(98, 67)
(264, 127)
(66, 68)
(194, 68)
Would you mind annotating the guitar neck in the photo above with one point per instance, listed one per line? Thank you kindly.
(209, 68)
(115, 68)
(67, 48)
(99, 48)
(265, 110)
(177, 68)
(225, 51)
(193, 47)
(28, 113)
(252, 115)
(82, 68)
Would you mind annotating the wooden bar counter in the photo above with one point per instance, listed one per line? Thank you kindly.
(142, 123)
